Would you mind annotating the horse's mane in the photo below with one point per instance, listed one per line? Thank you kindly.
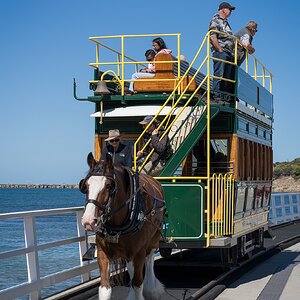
(120, 168)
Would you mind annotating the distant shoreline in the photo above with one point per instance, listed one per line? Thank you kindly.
(38, 186)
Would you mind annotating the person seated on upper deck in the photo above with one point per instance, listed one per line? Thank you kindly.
(120, 152)
(162, 148)
(149, 54)
(159, 46)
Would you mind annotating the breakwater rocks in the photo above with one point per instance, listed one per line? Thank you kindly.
(39, 186)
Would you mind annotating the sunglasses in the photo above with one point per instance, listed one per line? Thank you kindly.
(114, 141)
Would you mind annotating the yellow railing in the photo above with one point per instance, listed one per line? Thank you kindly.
(222, 205)
(120, 60)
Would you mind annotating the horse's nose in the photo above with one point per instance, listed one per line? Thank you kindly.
(89, 225)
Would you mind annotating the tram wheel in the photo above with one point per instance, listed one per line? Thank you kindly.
(165, 252)
(229, 256)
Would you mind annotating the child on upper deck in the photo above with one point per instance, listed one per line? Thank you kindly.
(159, 46)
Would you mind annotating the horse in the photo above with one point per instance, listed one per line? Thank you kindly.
(125, 210)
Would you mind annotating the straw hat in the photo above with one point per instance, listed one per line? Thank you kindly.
(113, 134)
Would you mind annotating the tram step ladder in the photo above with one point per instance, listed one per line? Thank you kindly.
(181, 128)
(185, 146)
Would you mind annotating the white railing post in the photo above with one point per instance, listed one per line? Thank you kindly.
(82, 245)
(32, 258)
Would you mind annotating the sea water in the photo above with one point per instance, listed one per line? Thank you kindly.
(49, 228)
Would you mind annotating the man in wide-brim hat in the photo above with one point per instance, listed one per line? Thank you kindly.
(120, 152)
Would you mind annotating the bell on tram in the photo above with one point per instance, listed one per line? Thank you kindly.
(102, 88)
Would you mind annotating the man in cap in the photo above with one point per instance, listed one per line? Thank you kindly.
(245, 37)
(222, 47)
(162, 149)
(120, 152)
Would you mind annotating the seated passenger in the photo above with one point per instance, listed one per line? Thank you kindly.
(120, 152)
(145, 72)
(149, 54)
(158, 46)
(162, 149)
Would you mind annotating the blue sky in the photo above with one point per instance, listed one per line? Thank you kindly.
(46, 134)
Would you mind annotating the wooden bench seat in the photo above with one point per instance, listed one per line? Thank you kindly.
(163, 71)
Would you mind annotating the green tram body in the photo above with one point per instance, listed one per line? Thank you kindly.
(227, 208)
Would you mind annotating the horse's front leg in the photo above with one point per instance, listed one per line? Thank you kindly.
(104, 288)
(136, 289)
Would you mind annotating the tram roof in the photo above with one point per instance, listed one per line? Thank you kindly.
(131, 111)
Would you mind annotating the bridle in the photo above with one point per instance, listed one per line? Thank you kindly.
(105, 208)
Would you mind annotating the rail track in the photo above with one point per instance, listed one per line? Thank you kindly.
(197, 274)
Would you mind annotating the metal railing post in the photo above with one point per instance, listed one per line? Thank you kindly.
(32, 257)
(82, 244)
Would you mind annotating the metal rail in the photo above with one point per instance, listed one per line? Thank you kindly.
(36, 282)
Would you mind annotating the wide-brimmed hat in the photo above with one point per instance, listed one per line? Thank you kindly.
(147, 120)
(226, 5)
(113, 134)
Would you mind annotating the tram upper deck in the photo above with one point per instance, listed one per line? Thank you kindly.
(173, 77)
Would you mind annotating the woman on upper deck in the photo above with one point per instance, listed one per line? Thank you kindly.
(159, 46)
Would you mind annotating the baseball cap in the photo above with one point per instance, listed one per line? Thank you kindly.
(146, 120)
(226, 5)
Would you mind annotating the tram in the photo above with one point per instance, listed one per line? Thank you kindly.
(217, 183)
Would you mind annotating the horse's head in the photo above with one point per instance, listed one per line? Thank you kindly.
(99, 186)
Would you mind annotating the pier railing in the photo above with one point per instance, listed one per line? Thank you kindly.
(33, 287)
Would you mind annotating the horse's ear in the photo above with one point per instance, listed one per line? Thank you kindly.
(91, 160)
(108, 163)
(82, 186)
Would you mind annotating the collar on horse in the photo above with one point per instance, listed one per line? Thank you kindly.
(135, 217)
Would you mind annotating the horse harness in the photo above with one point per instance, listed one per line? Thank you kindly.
(136, 216)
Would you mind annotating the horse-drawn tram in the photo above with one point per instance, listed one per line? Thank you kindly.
(217, 180)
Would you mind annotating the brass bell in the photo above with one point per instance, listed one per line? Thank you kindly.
(102, 88)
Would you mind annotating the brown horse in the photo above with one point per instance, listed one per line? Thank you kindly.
(126, 212)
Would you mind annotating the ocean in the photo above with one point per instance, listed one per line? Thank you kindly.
(13, 271)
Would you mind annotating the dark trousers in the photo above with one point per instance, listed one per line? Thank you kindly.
(223, 70)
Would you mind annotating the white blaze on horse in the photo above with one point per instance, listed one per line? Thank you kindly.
(125, 211)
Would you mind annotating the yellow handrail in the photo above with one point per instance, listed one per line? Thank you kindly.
(265, 73)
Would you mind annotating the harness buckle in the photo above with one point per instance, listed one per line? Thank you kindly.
(114, 239)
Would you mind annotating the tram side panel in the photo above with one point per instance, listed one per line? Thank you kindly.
(184, 219)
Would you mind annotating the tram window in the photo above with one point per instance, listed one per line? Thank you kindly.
(249, 198)
(259, 196)
(242, 125)
(268, 136)
(239, 206)
(252, 129)
(266, 200)
(261, 133)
